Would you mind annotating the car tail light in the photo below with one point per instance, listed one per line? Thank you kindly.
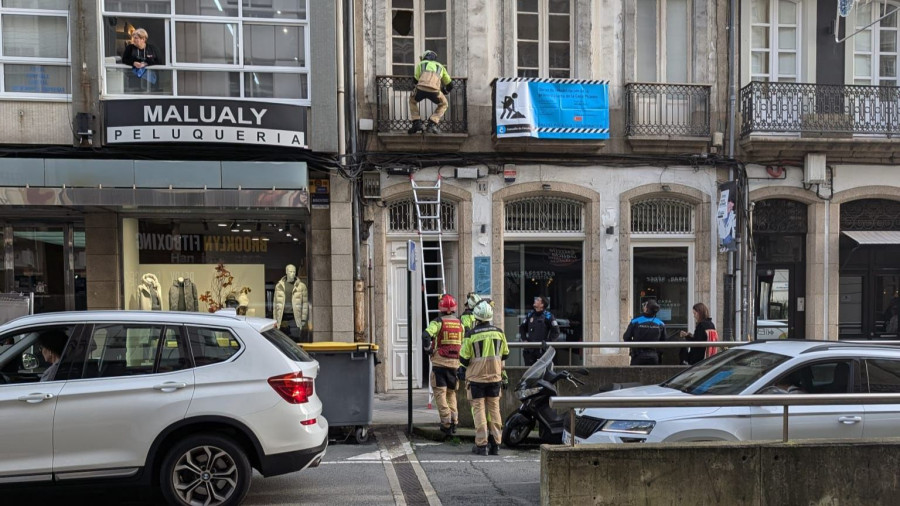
(293, 387)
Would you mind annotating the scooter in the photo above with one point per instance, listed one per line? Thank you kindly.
(538, 385)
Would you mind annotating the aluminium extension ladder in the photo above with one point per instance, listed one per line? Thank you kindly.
(427, 200)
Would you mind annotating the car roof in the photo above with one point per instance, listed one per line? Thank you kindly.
(222, 319)
(798, 347)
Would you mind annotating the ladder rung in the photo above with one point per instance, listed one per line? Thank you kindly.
(431, 248)
(432, 263)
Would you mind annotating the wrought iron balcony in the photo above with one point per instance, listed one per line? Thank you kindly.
(823, 110)
(392, 106)
(659, 109)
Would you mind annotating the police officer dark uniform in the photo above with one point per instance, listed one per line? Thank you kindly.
(539, 326)
(482, 366)
(447, 332)
(646, 327)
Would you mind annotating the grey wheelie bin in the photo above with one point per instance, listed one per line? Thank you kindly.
(346, 384)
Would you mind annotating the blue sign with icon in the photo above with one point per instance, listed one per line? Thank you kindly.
(551, 108)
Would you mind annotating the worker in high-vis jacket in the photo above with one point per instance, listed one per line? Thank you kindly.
(432, 83)
(442, 340)
(482, 360)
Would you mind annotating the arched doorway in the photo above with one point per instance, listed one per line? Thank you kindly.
(779, 235)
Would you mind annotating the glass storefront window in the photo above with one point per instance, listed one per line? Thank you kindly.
(205, 265)
(887, 304)
(551, 269)
(39, 261)
(661, 273)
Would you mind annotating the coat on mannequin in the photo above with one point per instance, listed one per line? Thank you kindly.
(183, 295)
(297, 315)
(149, 294)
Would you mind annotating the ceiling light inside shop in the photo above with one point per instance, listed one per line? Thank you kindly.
(235, 227)
(265, 239)
(222, 224)
(288, 234)
(295, 239)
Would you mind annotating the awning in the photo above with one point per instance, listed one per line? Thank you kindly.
(874, 236)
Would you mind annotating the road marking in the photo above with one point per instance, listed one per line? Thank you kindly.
(430, 494)
(353, 460)
(389, 471)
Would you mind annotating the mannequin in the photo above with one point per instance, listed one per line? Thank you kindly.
(183, 295)
(149, 295)
(291, 306)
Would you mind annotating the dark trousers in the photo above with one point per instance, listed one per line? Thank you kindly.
(645, 357)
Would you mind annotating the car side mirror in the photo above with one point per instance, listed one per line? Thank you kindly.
(29, 361)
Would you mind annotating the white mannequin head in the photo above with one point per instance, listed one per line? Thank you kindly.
(290, 272)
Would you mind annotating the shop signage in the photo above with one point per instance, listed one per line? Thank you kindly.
(551, 108)
(319, 195)
(205, 121)
(192, 242)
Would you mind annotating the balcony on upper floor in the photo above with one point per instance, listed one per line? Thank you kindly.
(392, 117)
(667, 118)
(846, 122)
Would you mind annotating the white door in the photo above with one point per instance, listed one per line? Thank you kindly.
(109, 418)
(26, 439)
(400, 327)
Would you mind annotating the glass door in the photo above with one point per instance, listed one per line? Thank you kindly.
(661, 273)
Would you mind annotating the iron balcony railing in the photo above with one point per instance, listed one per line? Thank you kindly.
(667, 109)
(820, 109)
(392, 104)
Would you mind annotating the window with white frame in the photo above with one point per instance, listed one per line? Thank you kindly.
(544, 38)
(875, 47)
(34, 55)
(212, 48)
(663, 40)
(416, 26)
(775, 40)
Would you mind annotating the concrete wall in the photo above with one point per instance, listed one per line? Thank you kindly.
(748, 473)
(597, 377)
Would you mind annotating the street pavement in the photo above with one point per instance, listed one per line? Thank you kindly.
(392, 468)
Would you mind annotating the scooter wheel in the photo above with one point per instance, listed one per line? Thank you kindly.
(516, 429)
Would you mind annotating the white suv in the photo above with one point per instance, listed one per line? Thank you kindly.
(188, 401)
(767, 367)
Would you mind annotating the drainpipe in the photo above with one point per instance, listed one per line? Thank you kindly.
(825, 271)
(359, 288)
(737, 283)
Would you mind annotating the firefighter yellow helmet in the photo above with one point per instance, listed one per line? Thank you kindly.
(472, 298)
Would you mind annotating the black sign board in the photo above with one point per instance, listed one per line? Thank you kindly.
(203, 121)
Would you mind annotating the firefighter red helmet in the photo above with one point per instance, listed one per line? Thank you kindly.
(447, 304)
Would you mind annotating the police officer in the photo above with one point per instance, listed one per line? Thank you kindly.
(467, 318)
(482, 365)
(646, 327)
(539, 326)
(447, 334)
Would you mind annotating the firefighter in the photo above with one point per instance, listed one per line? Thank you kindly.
(482, 365)
(467, 319)
(442, 340)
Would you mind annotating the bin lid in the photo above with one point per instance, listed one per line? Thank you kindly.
(325, 346)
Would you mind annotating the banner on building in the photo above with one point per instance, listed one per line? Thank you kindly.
(551, 108)
(726, 216)
(319, 193)
(202, 121)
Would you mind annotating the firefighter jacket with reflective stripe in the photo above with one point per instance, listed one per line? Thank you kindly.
(483, 353)
(467, 319)
(430, 75)
(447, 332)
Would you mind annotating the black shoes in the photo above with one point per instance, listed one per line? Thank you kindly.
(416, 128)
(431, 127)
(480, 450)
(493, 447)
(452, 428)
(447, 430)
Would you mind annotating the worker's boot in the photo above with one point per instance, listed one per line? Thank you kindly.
(447, 430)
(453, 428)
(493, 447)
(480, 450)
(416, 128)
(431, 127)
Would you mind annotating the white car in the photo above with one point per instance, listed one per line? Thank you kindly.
(187, 401)
(779, 366)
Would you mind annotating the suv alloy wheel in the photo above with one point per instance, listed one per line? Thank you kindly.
(207, 470)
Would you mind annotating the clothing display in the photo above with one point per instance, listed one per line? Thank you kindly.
(149, 295)
(292, 310)
(183, 295)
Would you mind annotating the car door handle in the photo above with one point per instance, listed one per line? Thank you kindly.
(849, 420)
(35, 398)
(170, 386)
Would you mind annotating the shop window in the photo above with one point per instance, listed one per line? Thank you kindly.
(248, 49)
(544, 215)
(662, 216)
(553, 269)
(402, 216)
(34, 37)
(661, 274)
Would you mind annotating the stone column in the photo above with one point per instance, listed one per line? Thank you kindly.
(103, 260)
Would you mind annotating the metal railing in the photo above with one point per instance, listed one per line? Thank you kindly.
(392, 105)
(820, 108)
(706, 401)
(570, 345)
(667, 109)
